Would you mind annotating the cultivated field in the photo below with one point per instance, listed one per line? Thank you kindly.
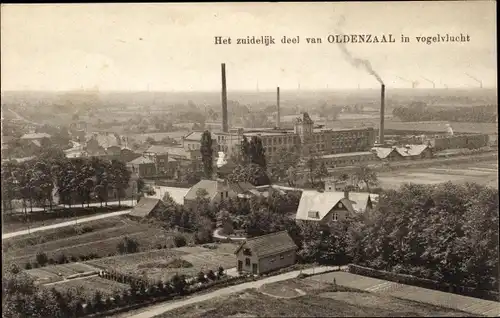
(89, 285)
(102, 242)
(303, 298)
(480, 172)
(50, 274)
(156, 264)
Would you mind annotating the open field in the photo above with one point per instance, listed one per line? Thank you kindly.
(301, 298)
(481, 172)
(458, 302)
(88, 286)
(102, 242)
(50, 274)
(154, 264)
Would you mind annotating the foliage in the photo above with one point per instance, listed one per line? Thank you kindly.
(281, 161)
(447, 233)
(257, 152)
(251, 173)
(180, 240)
(128, 245)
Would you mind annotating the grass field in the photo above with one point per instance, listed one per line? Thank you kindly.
(153, 264)
(302, 298)
(102, 242)
(481, 172)
(88, 286)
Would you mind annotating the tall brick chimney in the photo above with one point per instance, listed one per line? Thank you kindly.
(225, 127)
(382, 111)
(278, 115)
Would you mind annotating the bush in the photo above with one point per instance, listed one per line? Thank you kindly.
(201, 277)
(179, 240)
(28, 266)
(62, 259)
(42, 258)
(14, 269)
(73, 258)
(51, 261)
(220, 272)
(211, 275)
(128, 245)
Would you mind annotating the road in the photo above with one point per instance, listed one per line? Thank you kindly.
(167, 306)
(64, 224)
(216, 235)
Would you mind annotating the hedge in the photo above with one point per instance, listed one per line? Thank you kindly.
(423, 282)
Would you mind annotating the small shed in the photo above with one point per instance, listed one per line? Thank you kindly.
(146, 207)
(266, 253)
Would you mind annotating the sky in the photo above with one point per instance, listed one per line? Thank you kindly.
(170, 47)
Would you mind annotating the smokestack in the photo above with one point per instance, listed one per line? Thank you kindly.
(382, 109)
(225, 127)
(278, 115)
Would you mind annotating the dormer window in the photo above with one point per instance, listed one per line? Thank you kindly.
(313, 214)
(247, 252)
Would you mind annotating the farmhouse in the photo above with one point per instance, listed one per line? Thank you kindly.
(146, 207)
(265, 253)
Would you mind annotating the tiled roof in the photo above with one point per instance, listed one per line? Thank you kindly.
(320, 203)
(145, 206)
(177, 194)
(178, 151)
(35, 136)
(270, 244)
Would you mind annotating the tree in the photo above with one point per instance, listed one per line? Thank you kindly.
(251, 173)
(128, 245)
(363, 174)
(257, 152)
(321, 172)
(179, 283)
(245, 151)
(281, 161)
(207, 154)
(201, 277)
(42, 258)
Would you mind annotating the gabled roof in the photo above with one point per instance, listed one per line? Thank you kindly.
(141, 160)
(411, 150)
(241, 187)
(359, 200)
(383, 152)
(269, 244)
(35, 136)
(211, 186)
(145, 206)
(320, 203)
(177, 151)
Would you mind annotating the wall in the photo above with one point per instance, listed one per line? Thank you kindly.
(273, 262)
(241, 257)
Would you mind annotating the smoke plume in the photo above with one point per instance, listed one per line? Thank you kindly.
(354, 61)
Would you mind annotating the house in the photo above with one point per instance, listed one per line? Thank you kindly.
(165, 164)
(146, 207)
(142, 167)
(361, 201)
(325, 207)
(217, 190)
(266, 253)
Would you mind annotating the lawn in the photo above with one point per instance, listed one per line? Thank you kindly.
(88, 286)
(155, 264)
(102, 242)
(320, 300)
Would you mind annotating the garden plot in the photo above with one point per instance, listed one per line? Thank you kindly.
(58, 272)
(124, 263)
(88, 287)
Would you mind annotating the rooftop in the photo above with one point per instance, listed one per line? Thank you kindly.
(269, 244)
(348, 154)
(319, 202)
(140, 160)
(35, 136)
(145, 206)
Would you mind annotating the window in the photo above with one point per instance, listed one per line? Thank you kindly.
(247, 261)
(227, 194)
(282, 256)
(335, 216)
(222, 195)
(247, 252)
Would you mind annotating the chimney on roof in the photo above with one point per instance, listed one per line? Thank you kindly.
(346, 194)
(225, 127)
(278, 117)
(382, 111)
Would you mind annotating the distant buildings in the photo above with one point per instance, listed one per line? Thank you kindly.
(217, 191)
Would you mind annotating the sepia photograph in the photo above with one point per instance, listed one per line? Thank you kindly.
(285, 159)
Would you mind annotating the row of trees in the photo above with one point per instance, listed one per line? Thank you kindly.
(477, 114)
(76, 181)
